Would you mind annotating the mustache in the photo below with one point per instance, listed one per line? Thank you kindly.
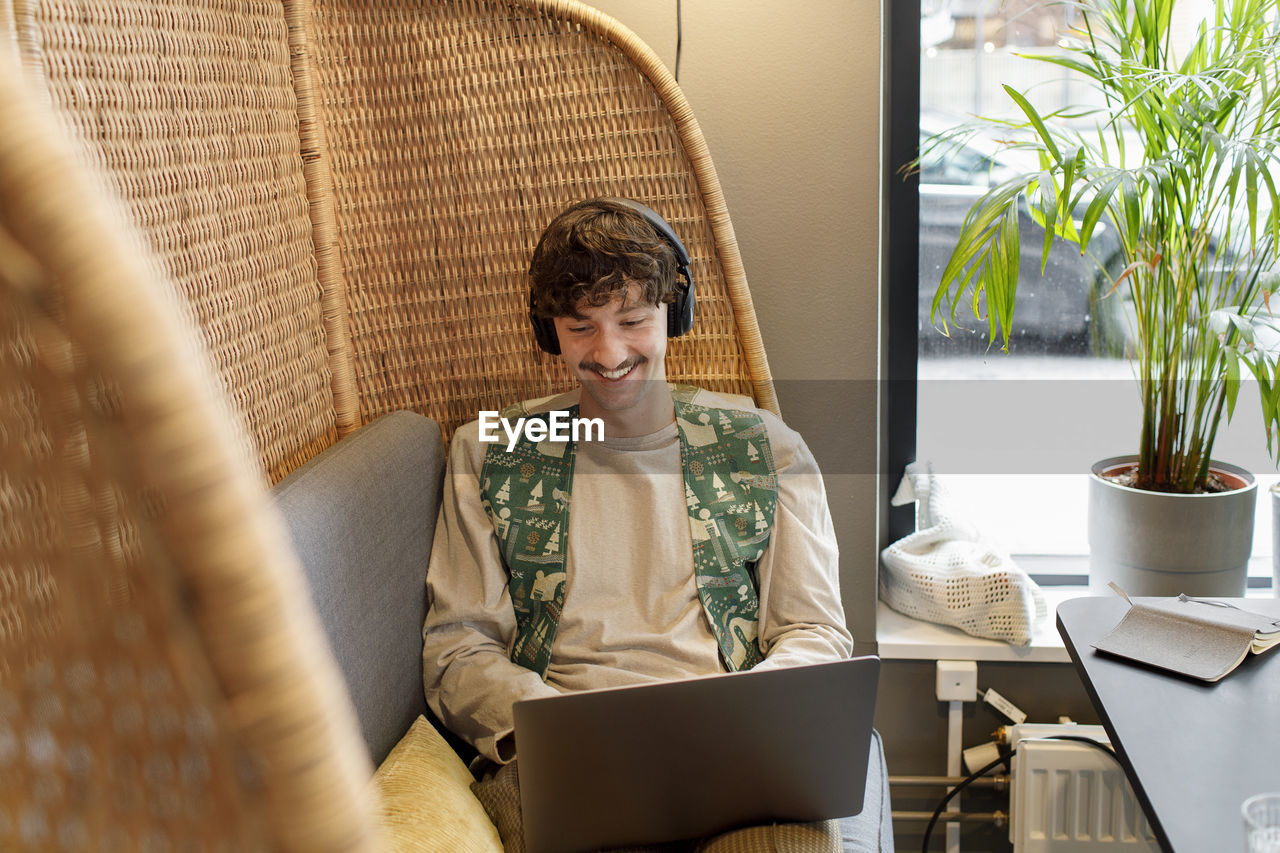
(627, 364)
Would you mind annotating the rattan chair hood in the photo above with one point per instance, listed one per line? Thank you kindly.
(231, 233)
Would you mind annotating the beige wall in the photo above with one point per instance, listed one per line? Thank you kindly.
(787, 95)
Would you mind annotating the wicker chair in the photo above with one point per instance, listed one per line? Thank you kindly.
(232, 232)
(347, 194)
(162, 681)
(455, 132)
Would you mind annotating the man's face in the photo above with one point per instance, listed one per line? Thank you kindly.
(617, 351)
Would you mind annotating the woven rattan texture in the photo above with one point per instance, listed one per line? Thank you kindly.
(189, 106)
(164, 682)
(457, 131)
(107, 732)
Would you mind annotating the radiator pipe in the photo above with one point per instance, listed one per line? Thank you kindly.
(998, 780)
(997, 817)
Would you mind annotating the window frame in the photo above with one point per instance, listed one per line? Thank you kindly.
(900, 141)
(900, 274)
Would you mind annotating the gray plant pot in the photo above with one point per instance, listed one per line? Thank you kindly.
(1152, 543)
(1275, 540)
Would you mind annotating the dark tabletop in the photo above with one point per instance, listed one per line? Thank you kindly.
(1192, 750)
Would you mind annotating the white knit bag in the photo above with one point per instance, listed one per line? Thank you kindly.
(946, 572)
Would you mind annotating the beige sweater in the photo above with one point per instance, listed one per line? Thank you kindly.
(631, 612)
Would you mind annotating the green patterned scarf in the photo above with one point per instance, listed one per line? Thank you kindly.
(731, 489)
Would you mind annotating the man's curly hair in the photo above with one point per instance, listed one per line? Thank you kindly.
(595, 250)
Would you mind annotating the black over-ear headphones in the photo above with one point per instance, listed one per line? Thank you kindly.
(679, 312)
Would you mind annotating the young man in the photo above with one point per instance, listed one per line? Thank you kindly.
(697, 538)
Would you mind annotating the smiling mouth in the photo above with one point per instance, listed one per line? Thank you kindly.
(617, 373)
(614, 375)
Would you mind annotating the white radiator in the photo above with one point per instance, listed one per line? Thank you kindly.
(1068, 797)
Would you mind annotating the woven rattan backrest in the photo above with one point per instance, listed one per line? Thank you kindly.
(457, 130)
(189, 107)
(164, 684)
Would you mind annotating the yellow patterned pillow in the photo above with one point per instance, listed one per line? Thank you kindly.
(425, 797)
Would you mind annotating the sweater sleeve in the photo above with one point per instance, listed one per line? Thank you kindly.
(801, 614)
(469, 679)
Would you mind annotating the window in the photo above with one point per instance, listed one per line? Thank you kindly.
(1012, 436)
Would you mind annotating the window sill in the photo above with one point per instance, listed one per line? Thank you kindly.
(900, 637)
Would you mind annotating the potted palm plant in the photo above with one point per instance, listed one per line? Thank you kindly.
(1178, 160)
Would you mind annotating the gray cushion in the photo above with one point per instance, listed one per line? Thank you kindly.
(361, 515)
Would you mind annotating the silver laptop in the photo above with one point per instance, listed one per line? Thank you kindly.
(687, 759)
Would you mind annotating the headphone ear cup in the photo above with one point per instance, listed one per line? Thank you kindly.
(680, 313)
(544, 332)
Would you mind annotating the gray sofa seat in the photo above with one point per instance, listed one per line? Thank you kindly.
(362, 515)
